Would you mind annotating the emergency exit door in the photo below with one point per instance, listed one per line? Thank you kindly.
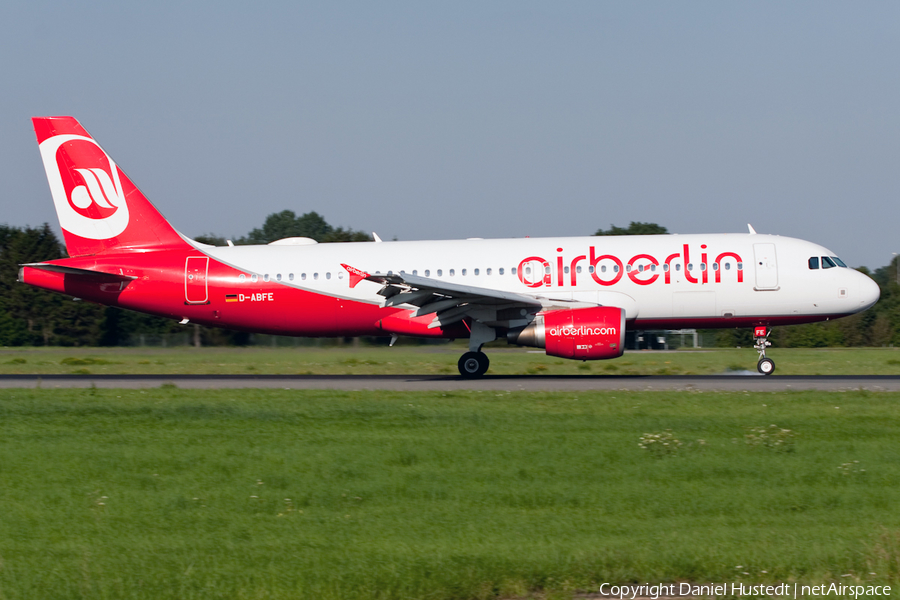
(196, 290)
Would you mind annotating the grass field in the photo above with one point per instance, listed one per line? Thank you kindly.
(436, 360)
(168, 493)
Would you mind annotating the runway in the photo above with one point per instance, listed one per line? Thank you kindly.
(509, 383)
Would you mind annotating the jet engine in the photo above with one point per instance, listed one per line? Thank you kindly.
(583, 333)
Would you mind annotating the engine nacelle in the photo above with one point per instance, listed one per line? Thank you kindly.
(582, 333)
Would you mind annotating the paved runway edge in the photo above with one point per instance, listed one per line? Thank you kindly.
(412, 383)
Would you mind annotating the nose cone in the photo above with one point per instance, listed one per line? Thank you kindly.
(867, 291)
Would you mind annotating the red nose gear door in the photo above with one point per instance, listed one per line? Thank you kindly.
(196, 290)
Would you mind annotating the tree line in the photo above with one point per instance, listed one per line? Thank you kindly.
(34, 317)
(286, 224)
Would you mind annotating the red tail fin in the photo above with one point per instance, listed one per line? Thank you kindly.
(98, 207)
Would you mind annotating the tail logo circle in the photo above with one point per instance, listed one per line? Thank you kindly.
(86, 188)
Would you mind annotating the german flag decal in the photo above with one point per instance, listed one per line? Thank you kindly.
(231, 298)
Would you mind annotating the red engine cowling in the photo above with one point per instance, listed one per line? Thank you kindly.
(582, 333)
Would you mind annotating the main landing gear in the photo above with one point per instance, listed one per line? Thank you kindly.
(475, 363)
(766, 366)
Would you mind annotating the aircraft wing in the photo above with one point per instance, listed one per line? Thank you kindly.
(451, 302)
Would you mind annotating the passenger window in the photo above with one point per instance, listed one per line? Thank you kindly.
(464, 272)
(603, 268)
(290, 276)
(278, 277)
(328, 275)
(242, 277)
(740, 266)
(254, 278)
(303, 276)
(652, 268)
(500, 270)
(727, 266)
(340, 274)
(690, 267)
(678, 267)
(666, 268)
(591, 269)
(315, 275)
(487, 272)
(813, 262)
(547, 270)
(715, 266)
(615, 268)
(628, 268)
(440, 272)
(702, 266)
(452, 272)
(565, 269)
(827, 263)
(513, 270)
(427, 272)
(415, 272)
(477, 272)
(578, 269)
(266, 277)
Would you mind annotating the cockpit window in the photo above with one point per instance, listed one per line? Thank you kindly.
(839, 262)
(813, 262)
(827, 263)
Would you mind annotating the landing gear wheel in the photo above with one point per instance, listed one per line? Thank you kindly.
(473, 364)
(766, 366)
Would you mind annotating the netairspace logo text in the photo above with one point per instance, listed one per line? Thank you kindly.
(790, 590)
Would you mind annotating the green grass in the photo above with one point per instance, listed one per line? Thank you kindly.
(169, 493)
(436, 360)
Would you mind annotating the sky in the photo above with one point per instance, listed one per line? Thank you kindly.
(421, 120)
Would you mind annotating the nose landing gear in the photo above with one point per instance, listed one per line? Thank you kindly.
(766, 366)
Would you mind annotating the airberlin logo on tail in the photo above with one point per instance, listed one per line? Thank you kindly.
(85, 185)
(98, 189)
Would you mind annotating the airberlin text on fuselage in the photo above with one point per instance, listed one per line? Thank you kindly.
(642, 269)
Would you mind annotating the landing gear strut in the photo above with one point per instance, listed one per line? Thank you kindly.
(766, 366)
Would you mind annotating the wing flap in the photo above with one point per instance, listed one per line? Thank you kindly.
(419, 291)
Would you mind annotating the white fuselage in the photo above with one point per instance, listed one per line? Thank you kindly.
(707, 279)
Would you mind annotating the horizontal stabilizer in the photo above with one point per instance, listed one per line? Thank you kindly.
(79, 272)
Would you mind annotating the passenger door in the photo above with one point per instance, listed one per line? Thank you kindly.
(766, 267)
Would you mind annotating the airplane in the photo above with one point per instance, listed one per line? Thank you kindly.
(572, 296)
